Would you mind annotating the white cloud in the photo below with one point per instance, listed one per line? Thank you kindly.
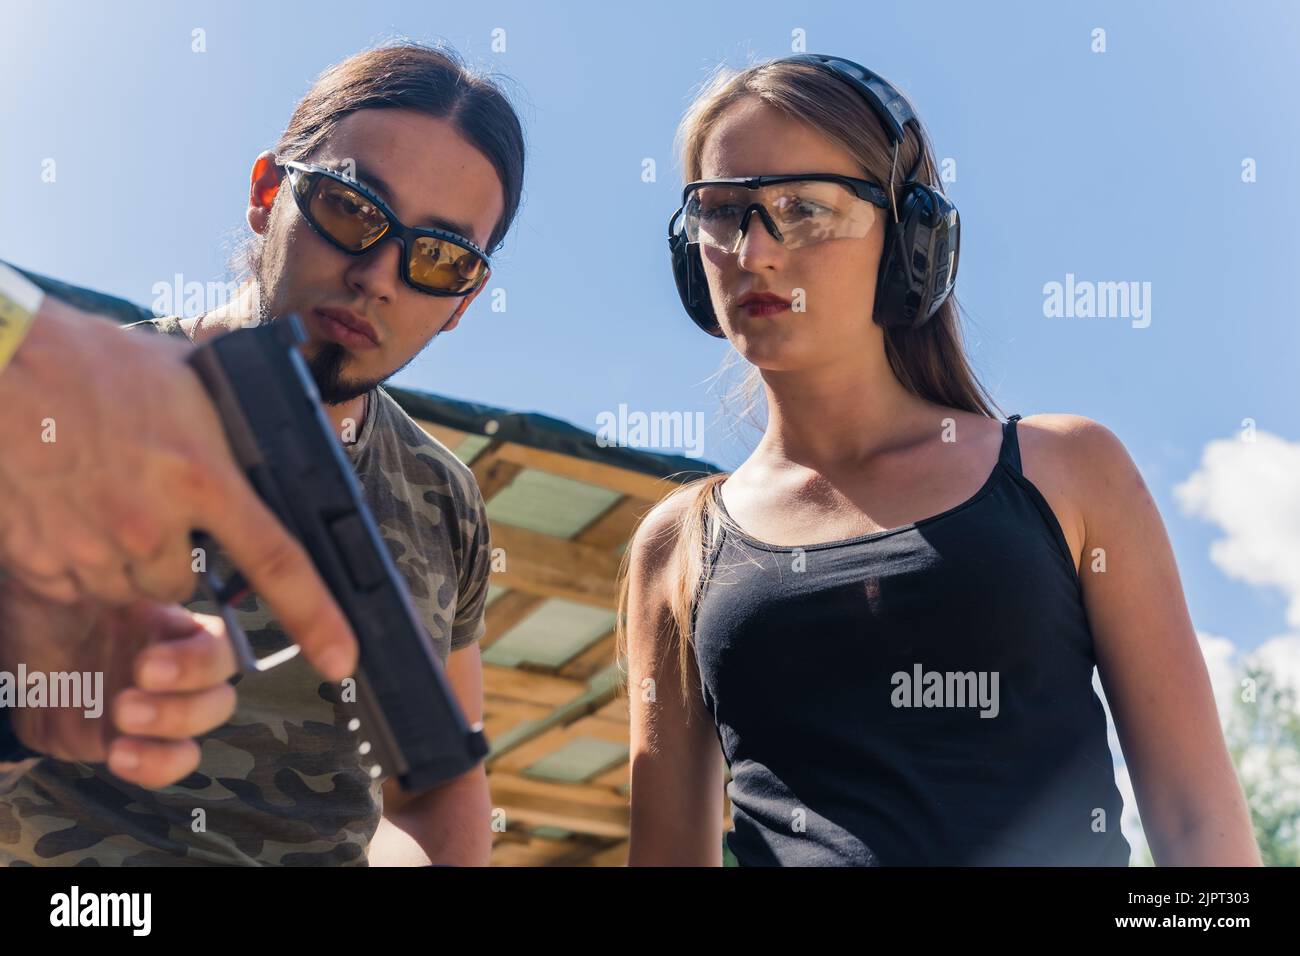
(1251, 490)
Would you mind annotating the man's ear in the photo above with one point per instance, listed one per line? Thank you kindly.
(460, 309)
(263, 186)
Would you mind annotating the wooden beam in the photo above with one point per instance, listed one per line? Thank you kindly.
(502, 714)
(590, 660)
(492, 472)
(616, 710)
(614, 777)
(615, 855)
(537, 851)
(614, 526)
(545, 689)
(580, 807)
(517, 759)
(546, 566)
(634, 483)
(584, 849)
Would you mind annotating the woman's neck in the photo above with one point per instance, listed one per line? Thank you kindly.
(842, 416)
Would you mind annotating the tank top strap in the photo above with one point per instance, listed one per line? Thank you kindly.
(1010, 454)
(713, 531)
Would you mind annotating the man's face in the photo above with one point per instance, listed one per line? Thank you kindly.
(429, 174)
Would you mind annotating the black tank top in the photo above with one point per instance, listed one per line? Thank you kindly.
(916, 696)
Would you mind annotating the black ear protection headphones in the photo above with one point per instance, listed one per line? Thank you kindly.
(918, 266)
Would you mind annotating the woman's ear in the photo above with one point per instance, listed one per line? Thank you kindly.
(263, 186)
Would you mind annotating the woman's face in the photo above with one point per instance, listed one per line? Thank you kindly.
(837, 276)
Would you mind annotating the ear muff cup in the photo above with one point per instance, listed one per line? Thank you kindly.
(918, 264)
(692, 286)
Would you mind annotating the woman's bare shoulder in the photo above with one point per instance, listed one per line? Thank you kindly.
(1082, 444)
(654, 543)
(1077, 463)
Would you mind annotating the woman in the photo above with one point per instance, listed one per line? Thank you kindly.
(887, 618)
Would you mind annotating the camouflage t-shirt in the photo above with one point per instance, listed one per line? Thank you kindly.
(281, 782)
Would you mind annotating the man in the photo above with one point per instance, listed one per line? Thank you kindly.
(86, 530)
(401, 144)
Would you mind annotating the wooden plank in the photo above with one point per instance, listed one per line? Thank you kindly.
(617, 711)
(579, 807)
(614, 777)
(502, 714)
(634, 483)
(529, 752)
(615, 855)
(583, 848)
(492, 472)
(516, 684)
(543, 565)
(610, 529)
(590, 660)
(517, 835)
(519, 709)
(538, 851)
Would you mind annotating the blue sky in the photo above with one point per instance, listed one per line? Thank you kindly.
(1117, 166)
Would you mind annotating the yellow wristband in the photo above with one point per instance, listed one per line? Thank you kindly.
(20, 300)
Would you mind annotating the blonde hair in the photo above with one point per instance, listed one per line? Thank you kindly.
(930, 361)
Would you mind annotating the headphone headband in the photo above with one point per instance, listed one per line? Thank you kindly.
(891, 106)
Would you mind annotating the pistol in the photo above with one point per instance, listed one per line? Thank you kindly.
(409, 725)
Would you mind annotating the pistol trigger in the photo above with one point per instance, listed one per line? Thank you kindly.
(239, 640)
(233, 591)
